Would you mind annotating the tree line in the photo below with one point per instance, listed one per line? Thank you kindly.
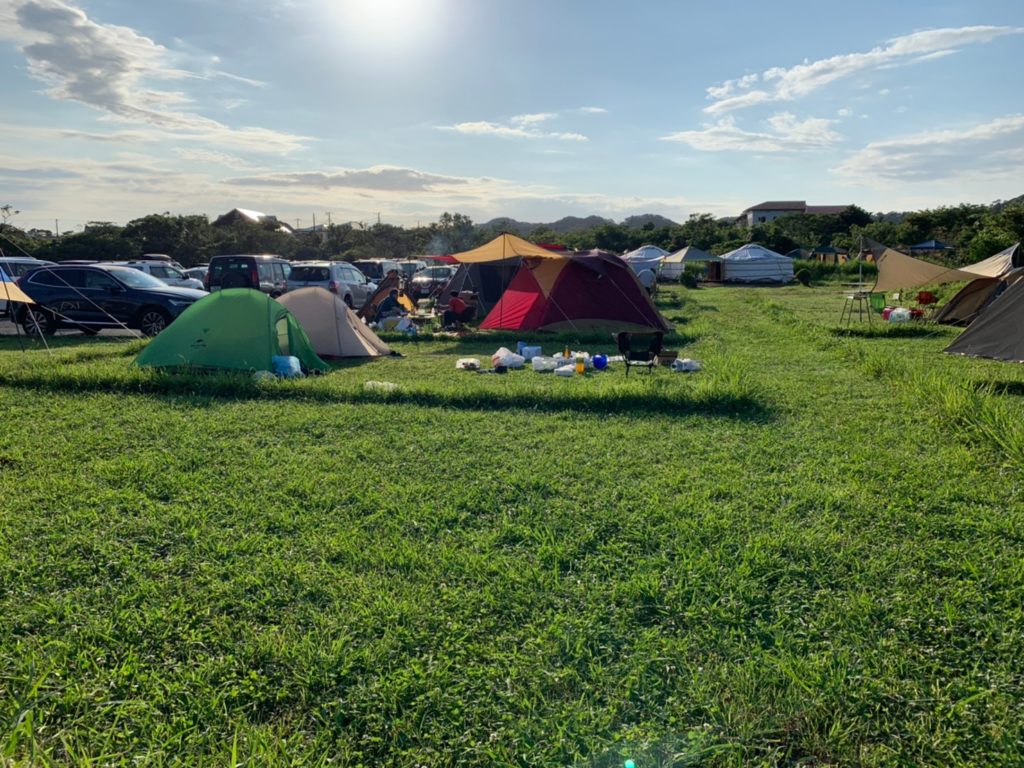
(974, 231)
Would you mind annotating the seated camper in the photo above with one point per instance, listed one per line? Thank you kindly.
(458, 311)
(390, 306)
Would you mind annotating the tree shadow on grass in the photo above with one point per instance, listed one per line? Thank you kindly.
(1002, 387)
(203, 391)
(899, 331)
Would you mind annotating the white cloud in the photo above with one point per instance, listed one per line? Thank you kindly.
(845, 112)
(210, 157)
(111, 69)
(593, 110)
(787, 134)
(987, 151)
(381, 178)
(539, 117)
(523, 129)
(884, 92)
(787, 84)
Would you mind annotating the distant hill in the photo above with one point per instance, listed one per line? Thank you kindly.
(638, 222)
(575, 223)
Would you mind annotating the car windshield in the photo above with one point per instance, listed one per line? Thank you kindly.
(135, 279)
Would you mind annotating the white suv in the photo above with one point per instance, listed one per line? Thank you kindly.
(14, 267)
(161, 270)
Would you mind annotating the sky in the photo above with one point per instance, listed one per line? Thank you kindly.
(354, 110)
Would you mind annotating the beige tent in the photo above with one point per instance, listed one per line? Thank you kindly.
(673, 265)
(998, 332)
(506, 246)
(333, 329)
(897, 271)
(995, 274)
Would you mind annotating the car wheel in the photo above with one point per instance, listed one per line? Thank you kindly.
(152, 320)
(38, 321)
(275, 294)
(348, 301)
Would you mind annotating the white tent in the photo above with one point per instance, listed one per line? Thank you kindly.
(754, 263)
(333, 329)
(645, 257)
(673, 265)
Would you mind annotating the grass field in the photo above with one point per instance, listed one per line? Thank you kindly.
(810, 553)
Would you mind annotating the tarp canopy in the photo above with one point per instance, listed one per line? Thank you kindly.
(506, 246)
(999, 332)
(754, 263)
(332, 328)
(234, 328)
(998, 265)
(581, 292)
(897, 271)
(9, 290)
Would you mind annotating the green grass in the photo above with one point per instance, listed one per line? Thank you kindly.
(810, 553)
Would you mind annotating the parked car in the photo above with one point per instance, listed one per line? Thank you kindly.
(430, 281)
(376, 269)
(96, 296)
(266, 272)
(338, 277)
(15, 267)
(410, 267)
(163, 271)
(198, 273)
(161, 257)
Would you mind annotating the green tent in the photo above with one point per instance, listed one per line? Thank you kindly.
(236, 328)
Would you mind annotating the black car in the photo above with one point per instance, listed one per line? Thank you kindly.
(264, 272)
(96, 296)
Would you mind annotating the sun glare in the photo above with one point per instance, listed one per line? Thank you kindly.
(383, 22)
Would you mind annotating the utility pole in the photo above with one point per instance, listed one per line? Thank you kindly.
(314, 221)
(378, 218)
(298, 223)
(56, 227)
(329, 224)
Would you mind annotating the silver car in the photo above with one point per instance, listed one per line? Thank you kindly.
(164, 272)
(338, 277)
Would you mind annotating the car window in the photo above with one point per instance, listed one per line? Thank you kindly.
(58, 278)
(157, 270)
(309, 274)
(266, 273)
(279, 273)
(97, 279)
(17, 268)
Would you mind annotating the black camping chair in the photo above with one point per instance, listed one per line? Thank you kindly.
(639, 349)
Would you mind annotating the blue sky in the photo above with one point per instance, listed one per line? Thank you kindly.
(524, 108)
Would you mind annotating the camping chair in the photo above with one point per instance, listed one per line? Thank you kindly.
(927, 302)
(639, 349)
(877, 302)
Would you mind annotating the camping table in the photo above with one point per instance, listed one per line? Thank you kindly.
(862, 301)
(423, 320)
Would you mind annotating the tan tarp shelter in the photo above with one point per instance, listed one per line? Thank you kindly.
(995, 266)
(333, 329)
(897, 271)
(506, 246)
(999, 332)
(673, 265)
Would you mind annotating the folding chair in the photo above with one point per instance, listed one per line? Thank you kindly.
(639, 349)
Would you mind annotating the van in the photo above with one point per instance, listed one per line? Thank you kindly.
(265, 272)
(377, 269)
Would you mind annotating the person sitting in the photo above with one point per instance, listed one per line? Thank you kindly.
(455, 312)
(390, 306)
